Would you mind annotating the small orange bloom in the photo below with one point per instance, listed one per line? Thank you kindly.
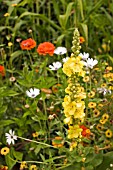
(85, 131)
(4, 168)
(2, 71)
(82, 40)
(48, 91)
(28, 44)
(46, 48)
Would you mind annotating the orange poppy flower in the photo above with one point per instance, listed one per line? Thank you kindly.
(46, 48)
(28, 44)
(82, 40)
(2, 71)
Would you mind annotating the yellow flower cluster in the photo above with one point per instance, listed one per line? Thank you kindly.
(74, 65)
(74, 104)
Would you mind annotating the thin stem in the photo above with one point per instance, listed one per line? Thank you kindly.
(30, 58)
(36, 142)
(37, 162)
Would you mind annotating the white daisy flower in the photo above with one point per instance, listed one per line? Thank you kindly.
(90, 63)
(10, 137)
(103, 90)
(65, 59)
(84, 56)
(60, 50)
(33, 92)
(55, 66)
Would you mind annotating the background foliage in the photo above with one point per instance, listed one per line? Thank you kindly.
(52, 21)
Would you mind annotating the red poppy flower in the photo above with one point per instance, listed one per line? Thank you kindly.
(2, 71)
(85, 131)
(28, 44)
(46, 48)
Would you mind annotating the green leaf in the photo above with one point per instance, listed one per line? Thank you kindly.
(63, 19)
(41, 16)
(10, 163)
(6, 123)
(107, 160)
(97, 159)
(7, 93)
(85, 31)
(18, 155)
(89, 167)
(18, 25)
(38, 148)
(16, 54)
(80, 3)
(76, 166)
(5, 27)
(2, 110)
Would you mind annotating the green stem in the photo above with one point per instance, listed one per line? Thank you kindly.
(29, 140)
(30, 58)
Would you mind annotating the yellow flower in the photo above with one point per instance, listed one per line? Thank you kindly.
(102, 121)
(106, 47)
(68, 120)
(96, 112)
(6, 14)
(35, 134)
(96, 68)
(73, 145)
(99, 127)
(33, 167)
(4, 151)
(23, 165)
(69, 89)
(74, 131)
(83, 159)
(109, 68)
(91, 94)
(14, 5)
(91, 105)
(86, 79)
(100, 105)
(73, 65)
(105, 116)
(108, 133)
(10, 44)
(103, 85)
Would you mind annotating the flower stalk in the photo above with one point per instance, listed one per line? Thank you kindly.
(74, 104)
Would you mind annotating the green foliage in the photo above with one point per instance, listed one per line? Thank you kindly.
(37, 121)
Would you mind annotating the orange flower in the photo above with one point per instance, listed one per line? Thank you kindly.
(28, 44)
(58, 142)
(82, 40)
(48, 91)
(85, 131)
(46, 48)
(2, 71)
(4, 168)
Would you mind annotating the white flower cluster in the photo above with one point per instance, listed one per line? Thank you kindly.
(88, 62)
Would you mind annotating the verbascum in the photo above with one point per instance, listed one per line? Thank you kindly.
(74, 104)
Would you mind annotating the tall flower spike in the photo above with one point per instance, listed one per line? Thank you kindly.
(76, 43)
(73, 102)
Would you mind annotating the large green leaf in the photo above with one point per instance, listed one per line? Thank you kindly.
(108, 159)
(63, 19)
(41, 16)
(10, 162)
